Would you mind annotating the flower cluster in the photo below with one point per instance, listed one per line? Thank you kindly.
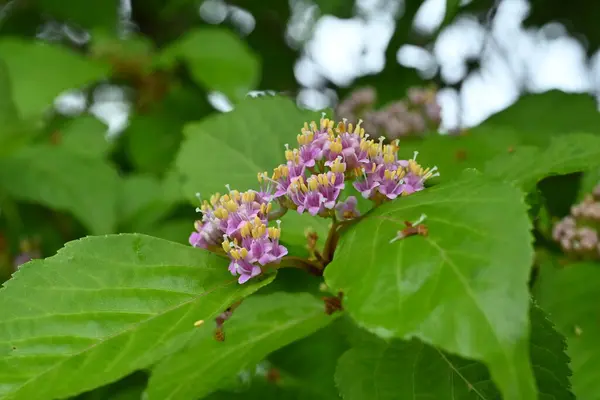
(238, 223)
(311, 180)
(415, 115)
(577, 233)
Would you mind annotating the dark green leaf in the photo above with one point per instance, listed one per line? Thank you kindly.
(377, 370)
(259, 326)
(55, 177)
(217, 59)
(570, 297)
(589, 181)
(462, 288)
(102, 308)
(87, 14)
(37, 73)
(232, 148)
(312, 361)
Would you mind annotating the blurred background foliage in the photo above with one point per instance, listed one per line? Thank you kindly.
(95, 94)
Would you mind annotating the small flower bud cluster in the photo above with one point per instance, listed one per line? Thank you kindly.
(311, 180)
(415, 115)
(577, 233)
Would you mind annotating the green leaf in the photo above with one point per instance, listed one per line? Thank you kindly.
(217, 59)
(539, 117)
(176, 230)
(88, 14)
(570, 297)
(377, 370)
(57, 178)
(462, 288)
(102, 308)
(259, 326)
(239, 144)
(566, 154)
(86, 135)
(37, 73)
(590, 179)
(142, 202)
(311, 362)
(294, 226)
(453, 154)
(129, 388)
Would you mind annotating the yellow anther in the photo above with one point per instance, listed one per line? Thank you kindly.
(225, 199)
(226, 246)
(274, 233)
(231, 206)
(221, 213)
(332, 179)
(341, 127)
(243, 252)
(374, 167)
(313, 183)
(198, 225)
(248, 197)
(235, 254)
(338, 166)
(215, 198)
(245, 229)
(257, 221)
(415, 168)
(336, 145)
(205, 207)
(389, 174)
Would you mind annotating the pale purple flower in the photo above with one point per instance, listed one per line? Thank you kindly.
(347, 209)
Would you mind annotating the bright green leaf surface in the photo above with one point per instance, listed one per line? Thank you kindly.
(570, 297)
(86, 135)
(589, 181)
(259, 326)
(37, 72)
(462, 288)
(233, 147)
(55, 177)
(377, 370)
(294, 225)
(217, 59)
(565, 154)
(102, 308)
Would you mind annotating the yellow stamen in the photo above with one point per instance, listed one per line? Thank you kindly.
(243, 252)
(274, 233)
(226, 246)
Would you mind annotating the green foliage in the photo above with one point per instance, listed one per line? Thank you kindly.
(241, 143)
(217, 59)
(376, 369)
(259, 326)
(30, 62)
(102, 308)
(363, 305)
(570, 296)
(64, 180)
(442, 284)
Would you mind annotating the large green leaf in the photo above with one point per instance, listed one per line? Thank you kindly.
(565, 154)
(463, 288)
(102, 308)
(217, 59)
(570, 296)
(377, 370)
(539, 117)
(233, 147)
(58, 178)
(259, 326)
(452, 154)
(40, 71)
